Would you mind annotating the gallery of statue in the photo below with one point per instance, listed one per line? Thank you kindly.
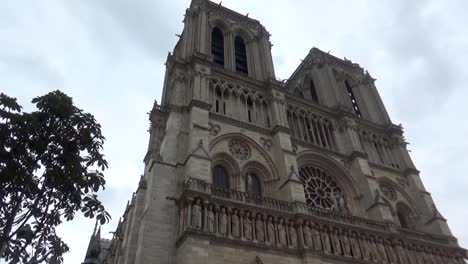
(243, 168)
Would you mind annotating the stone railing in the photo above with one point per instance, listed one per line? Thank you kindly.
(283, 206)
(231, 215)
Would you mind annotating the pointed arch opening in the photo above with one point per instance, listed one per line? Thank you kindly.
(404, 215)
(240, 55)
(217, 46)
(220, 177)
(253, 184)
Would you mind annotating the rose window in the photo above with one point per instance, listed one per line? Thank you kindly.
(239, 149)
(388, 191)
(320, 189)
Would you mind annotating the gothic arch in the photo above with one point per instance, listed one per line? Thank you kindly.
(340, 174)
(408, 200)
(405, 215)
(260, 170)
(268, 163)
(231, 167)
(216, 21)
(241, 32)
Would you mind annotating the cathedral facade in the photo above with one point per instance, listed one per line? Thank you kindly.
(243, 168)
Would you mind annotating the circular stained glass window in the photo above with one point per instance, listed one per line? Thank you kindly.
(239, 149)
(320, 189)
(388, 191)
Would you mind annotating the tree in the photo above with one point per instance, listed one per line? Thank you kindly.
(50, 167)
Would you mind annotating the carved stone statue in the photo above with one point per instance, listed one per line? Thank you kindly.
(316, 238)
(335, 238)
(307, 235)
(401, 252)
(271, 230)
(247, 227)
(260, 233)
(345, 244)
(343, 207)
(223, 222)
(196, 215)
(353, 241)
(381, 250)
(292, 235)
(235, 224)
(281, 233)
(210, 221)
(392, 258)
(374, 252)
(325, 241)
(364, 248)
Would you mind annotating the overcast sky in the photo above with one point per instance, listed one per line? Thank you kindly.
(109, 56)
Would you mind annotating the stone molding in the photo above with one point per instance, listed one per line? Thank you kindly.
(289, 227)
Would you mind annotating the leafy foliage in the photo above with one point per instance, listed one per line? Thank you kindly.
(50, 167)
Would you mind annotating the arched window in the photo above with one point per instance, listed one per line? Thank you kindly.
(313, 91)
(404, 216)
(252, 184)
(352, 97)
(217, 46)
(220, 177)
(241, 55)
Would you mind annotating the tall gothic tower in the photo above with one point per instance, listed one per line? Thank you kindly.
(242, 168)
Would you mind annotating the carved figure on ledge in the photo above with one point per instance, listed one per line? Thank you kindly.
(271, 230)
(247, 227)
(223, 222)
(196, 215)
(259, 229)
(235, 224)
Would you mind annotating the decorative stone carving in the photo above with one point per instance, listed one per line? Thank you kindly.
(239, 149)
(339, 203)
(247, 227)
(364, 248)
(259, 229)
(392, 257)
(335, 239)
(345, 244)
(281, 233)
(235, 224)
(307, 235)
(210, 221)
(381, 250)
(292, 235)
(316, 237)
(271, 231)
(294, 148)
(325, 241)
(366, 245)
(355, 246)
(266, 143)
(374, 253)
(320, 189)
(196, 215)
(388, 191)
(223, 222)
(214, 129)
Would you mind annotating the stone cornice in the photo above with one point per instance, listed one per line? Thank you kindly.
(199, 104)
(231, 76)
(312, 146)
(241, 124)
(298, 212)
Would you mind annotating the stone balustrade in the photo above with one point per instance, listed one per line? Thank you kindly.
(242, 218)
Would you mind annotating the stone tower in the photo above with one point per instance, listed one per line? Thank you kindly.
(242, 168)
